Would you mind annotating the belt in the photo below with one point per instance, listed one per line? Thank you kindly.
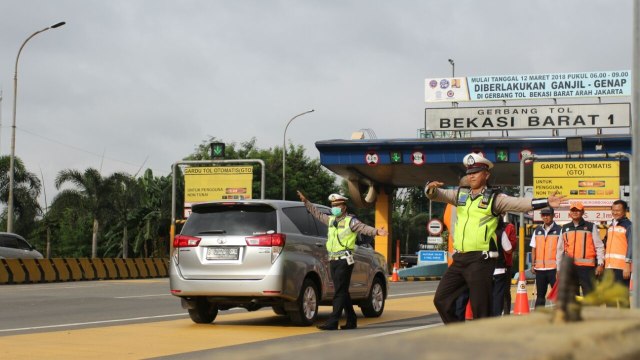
(486, 254)
(340, 255)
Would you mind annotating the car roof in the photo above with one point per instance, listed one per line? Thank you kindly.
(12, 234)
(273, 203)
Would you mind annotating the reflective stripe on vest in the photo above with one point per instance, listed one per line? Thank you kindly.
(578, 243)
(475, 224)
(615, 254)
(546, 247)
(341, 234)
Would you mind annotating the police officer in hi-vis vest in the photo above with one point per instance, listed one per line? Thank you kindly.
(544, 243)
(478, 208)
(618, 245)
(342, 233)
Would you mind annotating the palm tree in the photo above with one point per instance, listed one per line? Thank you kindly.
(125, 198)
(153, 215)
(93, 193)
(26, 188)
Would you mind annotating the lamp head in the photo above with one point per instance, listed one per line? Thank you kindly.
(58, 24)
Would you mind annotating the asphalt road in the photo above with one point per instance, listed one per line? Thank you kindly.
(140, 319)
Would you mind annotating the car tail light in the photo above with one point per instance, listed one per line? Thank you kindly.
(185, 241)
(276, 241)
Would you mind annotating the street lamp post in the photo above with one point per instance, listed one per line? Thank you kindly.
(453, 68)
(13, 127)
(284, 151)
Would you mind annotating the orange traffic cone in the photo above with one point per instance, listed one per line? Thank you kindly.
(522, 303)
(395, 277)
(468, 314)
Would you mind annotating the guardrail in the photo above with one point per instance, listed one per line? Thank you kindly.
(30, 271)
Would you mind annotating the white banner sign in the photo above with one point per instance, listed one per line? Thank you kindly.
(583, 116)
(446, 89)
(529, 86)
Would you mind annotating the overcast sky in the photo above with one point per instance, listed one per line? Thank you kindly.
(126, 83)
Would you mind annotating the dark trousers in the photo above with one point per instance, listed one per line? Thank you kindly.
(470, 270)
(461, 305)
(586, 276)
(507, 293)
(500, 286)
(544, 279)
(341, 277)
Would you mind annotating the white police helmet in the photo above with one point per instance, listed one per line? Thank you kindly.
(475, 162)
(337, 199)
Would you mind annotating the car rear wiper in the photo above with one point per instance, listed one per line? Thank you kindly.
(212, 232)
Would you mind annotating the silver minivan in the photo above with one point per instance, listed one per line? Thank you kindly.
(14, 246)
(265, 253)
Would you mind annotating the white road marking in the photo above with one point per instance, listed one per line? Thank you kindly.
(140, 296)
(413, 293)
(184, 314)
(399, 331)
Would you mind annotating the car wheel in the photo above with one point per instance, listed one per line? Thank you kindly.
(373, 306)
(305, 311)
(279, 310)
(204, 312)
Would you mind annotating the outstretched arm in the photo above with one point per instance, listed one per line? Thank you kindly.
(324, 218)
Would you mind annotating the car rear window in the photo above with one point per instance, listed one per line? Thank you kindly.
(231, 219)
(302, 219)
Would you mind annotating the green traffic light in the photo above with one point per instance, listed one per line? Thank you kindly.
(396, 157)
(502, 155)
(217, 150)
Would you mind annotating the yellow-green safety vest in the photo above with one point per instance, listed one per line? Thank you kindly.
(475, 224)
(341, 234)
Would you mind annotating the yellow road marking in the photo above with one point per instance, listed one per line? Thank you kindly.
(164, 338)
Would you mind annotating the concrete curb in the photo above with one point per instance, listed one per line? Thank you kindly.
(30, 271)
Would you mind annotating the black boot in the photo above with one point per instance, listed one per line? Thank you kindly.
(349, 325)
(328, 326)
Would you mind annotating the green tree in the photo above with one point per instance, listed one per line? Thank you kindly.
(125, 199)
(26, 189)
(153, 215)
(92, 193)
(303, 173)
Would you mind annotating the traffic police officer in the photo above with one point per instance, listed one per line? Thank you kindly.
(477, 208)
(342, 233)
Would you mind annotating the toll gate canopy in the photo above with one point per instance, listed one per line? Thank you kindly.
(411, 162)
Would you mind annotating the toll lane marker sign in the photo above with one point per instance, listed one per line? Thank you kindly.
(577, 180)
(435, 227)
(372, 158)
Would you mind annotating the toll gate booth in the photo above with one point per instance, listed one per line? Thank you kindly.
(374, 167)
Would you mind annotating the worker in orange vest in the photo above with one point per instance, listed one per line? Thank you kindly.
(544, 243)
(581, 241)
(618, 249)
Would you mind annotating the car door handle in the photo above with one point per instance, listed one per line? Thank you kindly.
(319, 244)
